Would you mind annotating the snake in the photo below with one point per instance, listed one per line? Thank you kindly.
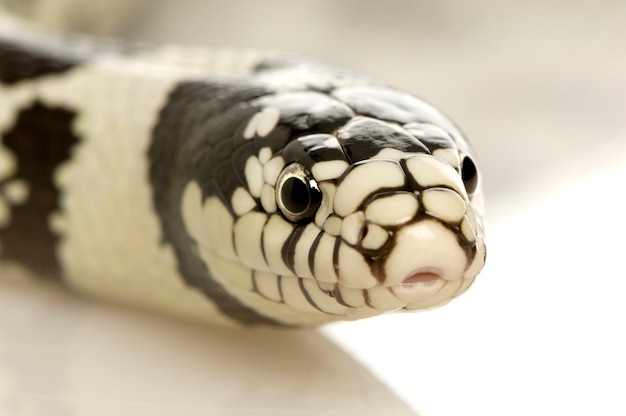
(237, 187)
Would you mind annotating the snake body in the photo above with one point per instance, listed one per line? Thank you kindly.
(242, 188)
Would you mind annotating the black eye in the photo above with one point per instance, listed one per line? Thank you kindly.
(297, 193)
(469, 173)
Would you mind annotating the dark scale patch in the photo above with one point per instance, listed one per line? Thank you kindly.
(363, 138)
(41, 140)
(239, 158)
(308, 111)
(309, 117)
(432, 136)
(194, 140)
(20, 62)
(225, 178)
(288, 251)
(276, 140)
(311, 149)
(388, 104)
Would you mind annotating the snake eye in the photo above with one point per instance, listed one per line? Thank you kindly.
(297, 193)
(469, 173)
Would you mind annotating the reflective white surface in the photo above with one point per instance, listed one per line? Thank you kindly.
(61, 355)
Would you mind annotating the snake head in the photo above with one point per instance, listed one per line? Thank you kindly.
(390, 218)
(356, 201)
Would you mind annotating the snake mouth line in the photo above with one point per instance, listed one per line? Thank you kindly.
(423, 289)
(424, 277)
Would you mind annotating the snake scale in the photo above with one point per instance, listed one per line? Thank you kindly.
(236, 187)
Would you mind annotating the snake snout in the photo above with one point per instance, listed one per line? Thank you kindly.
(424, 251)
(425, 268)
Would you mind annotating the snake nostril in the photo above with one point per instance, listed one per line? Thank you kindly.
(363, 233)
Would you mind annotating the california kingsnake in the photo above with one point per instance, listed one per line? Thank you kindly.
(233, 187)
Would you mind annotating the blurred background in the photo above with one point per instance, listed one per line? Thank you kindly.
(539, 87)
(533, 84)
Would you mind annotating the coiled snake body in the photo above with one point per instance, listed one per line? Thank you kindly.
(234, 187)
